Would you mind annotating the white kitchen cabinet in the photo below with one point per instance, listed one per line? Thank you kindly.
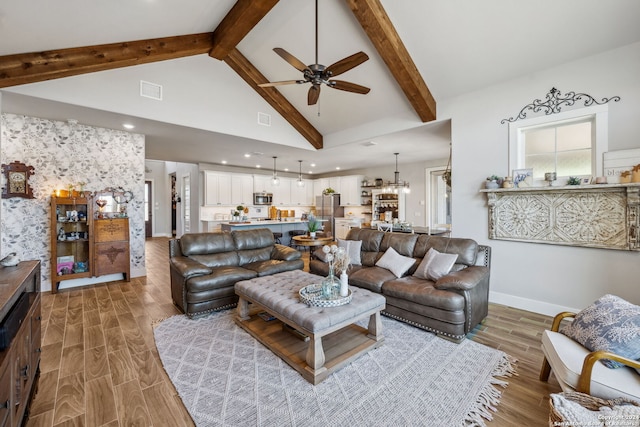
(262, 184)
(217, 189)
(302, 196)
(343, 225)
(319, 185)
(282, 192)
(350, 191)
(241, 189)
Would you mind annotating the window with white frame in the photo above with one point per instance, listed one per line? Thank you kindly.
(570, 143)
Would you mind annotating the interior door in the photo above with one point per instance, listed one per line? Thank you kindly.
(148, 209)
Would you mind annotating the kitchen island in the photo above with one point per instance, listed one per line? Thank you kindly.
(275, 226)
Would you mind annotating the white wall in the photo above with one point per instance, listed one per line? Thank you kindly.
(538, 277)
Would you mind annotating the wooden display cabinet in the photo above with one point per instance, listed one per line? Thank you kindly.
(71, 234)
(112, 247)
(20, 344)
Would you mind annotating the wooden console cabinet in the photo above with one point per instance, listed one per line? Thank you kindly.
(20, 360)
(111, 250)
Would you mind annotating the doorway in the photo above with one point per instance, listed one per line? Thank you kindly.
(438, 199)
(148, 209)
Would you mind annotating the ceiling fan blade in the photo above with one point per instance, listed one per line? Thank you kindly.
(346, 64)
(348, 86)
(295, 62)
(285, 82)
(313, 95)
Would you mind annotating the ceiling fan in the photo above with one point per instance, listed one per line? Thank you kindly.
(317, 74)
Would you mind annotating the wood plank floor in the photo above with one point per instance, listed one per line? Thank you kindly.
(100, 366)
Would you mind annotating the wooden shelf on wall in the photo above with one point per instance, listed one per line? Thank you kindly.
(603, 216)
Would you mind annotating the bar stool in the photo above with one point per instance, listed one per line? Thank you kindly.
(277, 236)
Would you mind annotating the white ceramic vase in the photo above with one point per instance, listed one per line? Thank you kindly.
(344, 284)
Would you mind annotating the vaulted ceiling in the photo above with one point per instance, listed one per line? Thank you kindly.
(86, 60)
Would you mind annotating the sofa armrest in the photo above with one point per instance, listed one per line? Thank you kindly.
(285, 253)
(464, 279)
(188, 267)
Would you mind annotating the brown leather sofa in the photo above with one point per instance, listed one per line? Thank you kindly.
(451, 306)
(205, 266)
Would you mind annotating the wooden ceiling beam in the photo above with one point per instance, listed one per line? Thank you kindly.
(378, 27)
(253, 77)
(24, 68)
(240, 20)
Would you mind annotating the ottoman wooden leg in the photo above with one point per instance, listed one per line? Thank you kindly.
(243, 309)
(375, 327)
(315, 355)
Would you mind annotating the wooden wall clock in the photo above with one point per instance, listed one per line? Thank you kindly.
(17, 180)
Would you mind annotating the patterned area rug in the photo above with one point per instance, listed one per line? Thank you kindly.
(227, 378)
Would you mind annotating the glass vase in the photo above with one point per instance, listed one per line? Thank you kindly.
(330, 285)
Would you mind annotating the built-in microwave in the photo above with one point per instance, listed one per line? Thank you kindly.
(262, 198)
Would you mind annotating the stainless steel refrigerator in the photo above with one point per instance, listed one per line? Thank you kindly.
(327, 210)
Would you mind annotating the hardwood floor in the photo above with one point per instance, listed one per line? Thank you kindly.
(100, 366)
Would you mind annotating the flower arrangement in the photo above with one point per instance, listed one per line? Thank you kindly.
(328, 190)
(625, 174)
(338, 258)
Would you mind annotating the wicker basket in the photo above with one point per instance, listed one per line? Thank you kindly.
(586, 401)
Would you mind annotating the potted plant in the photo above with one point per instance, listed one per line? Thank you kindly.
(328, 190)
(493, 182)
(635, 173)
(313, 225)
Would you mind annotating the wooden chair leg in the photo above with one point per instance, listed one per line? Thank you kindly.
(545, 370)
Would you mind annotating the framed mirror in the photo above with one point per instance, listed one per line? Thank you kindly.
(112, 202)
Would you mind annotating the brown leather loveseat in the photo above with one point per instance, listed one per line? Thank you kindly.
(451, 306)
(205, 266)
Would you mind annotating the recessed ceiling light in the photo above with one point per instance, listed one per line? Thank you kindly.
(224, 162)
(337, 168)
(310, 171)
(258, 166)
(247, 155)
(286, 169)
(313, 165)
(128, 126)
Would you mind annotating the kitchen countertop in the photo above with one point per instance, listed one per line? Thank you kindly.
(267, 222)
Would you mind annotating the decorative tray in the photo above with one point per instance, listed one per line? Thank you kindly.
(312, 296)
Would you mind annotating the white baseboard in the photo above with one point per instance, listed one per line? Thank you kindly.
(162, 235)
(535, 306)
(75, 283)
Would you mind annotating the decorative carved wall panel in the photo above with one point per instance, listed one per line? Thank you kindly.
(596, 216)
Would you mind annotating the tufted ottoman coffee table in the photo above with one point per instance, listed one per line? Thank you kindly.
(314, 359)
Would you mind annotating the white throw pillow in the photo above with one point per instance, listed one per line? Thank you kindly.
(435, 264)
(395, 263)
(353, 249)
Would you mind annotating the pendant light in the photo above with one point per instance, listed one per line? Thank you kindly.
(397, 185)
(275, 180)
(300, 182)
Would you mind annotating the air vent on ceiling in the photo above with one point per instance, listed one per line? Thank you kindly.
(264, 119)
(151, 90)
(369, 144)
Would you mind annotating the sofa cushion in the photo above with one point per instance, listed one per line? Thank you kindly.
(353, 248)
(466, 249)
(395, 263)
(435, 265)
(422, 292)
(206, 243)
(371, 239)
(370, 278)
(219, 277)
(253, 255)
(253, 238)
(217, 259)
(610, 324)
(402, 243)
(273, 266)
